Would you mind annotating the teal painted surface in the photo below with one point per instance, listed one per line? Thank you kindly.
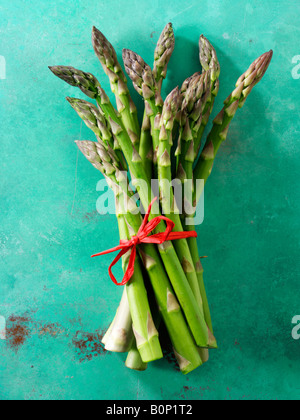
(55, 299)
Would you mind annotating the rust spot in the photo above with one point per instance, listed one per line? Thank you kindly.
(88, 345)
(89, 217)
(51, 329)
(171, 358)
(75, 321)
(17, 331)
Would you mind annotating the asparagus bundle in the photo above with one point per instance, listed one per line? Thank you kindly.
(163, 275)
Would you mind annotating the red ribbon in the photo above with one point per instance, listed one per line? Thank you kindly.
(143, 238)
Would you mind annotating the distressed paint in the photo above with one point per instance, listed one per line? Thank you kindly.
(56, 301)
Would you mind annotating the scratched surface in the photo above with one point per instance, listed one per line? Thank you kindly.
(55, 301)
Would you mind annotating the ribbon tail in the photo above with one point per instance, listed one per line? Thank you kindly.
(130, 269)
(173, 236)
(115, 261)
(109, 251)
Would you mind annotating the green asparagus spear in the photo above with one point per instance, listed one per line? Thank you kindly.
(146, 145)
(108, 58)
(197, 93)
(145, 84)
(134, 360)
(219, 134)
(168, 201)
(86, 82)
(162, 55)
(210, 63)
(119, 337)
(220, 129)
(194, 102)
(211, 66)
(120, 331)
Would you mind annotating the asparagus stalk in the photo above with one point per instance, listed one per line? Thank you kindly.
(108, 58)
(123, 320)
(219, 134)
(137, 288)
(145, 84)
(96, 121)
(197, 93)
(162, 55)
(200, 272)
(89, 84)
(204, 354)
(121, 328)
(146, 145)
(194, 102)
(134, 360)
(189, 82)
(196, 280)
(222, 122)
(143, 326)
(168, 202)
(119, 337)
(182, 340)
(210, 63)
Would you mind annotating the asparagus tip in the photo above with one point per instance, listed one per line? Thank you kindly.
(97, 37)
(163, 52)
(125, 52)
(54, 69)
(140, 73)
(270, 54)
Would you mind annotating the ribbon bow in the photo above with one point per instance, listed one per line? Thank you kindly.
(143, 237)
